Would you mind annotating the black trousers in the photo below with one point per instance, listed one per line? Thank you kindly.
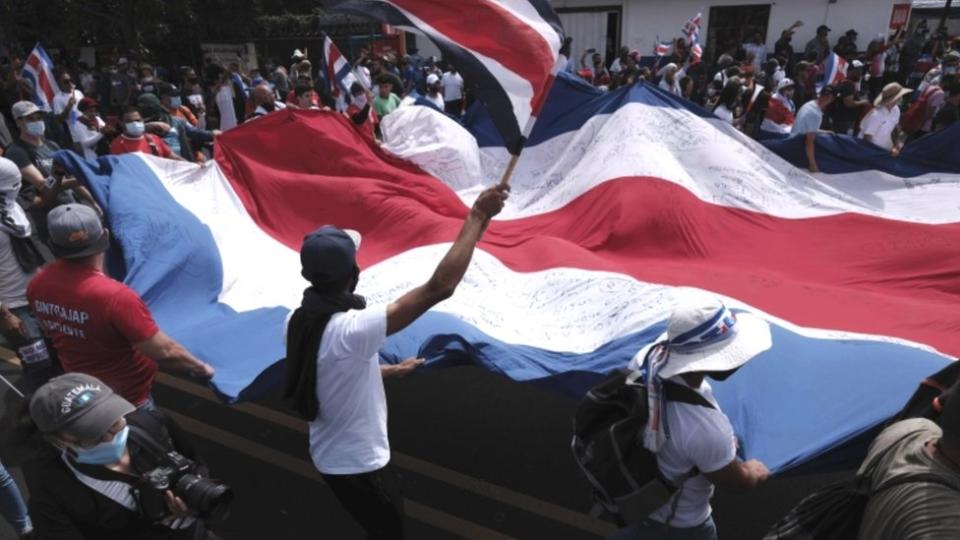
(453, 107)
(373, 499)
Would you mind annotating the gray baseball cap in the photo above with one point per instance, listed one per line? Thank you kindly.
(23, 108)
(75, 231)
(78, 404)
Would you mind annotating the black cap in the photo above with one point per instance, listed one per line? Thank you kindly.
(823, 27)
(78, 404)
(852, 32)
(828, 90)
(167, 89)
(329, 255)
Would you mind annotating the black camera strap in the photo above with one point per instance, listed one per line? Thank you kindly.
(146, 441)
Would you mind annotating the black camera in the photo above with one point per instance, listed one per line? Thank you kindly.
(208, 498)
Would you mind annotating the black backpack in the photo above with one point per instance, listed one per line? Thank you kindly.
(608, 446)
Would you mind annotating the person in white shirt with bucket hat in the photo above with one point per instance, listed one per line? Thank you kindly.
(695, 445)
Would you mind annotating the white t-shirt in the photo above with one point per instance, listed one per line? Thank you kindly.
(723, 113)
(435, 99)
(60, 101)
(349, 436)
(86, 139)
(224, 99)
(452, 86)
(879, 124)
(701, 438)
(672, 88)
(759, 53)
(261, 111)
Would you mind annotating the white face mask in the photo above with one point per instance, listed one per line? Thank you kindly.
(36, 128)
(134, 129)
(360, 101)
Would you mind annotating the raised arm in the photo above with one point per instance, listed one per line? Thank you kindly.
(451, 269)
(810, 142)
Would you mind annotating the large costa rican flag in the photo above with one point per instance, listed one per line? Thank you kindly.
(506, 50)
(38, 69)
(620, 199)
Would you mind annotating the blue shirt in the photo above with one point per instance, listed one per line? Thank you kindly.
(808, 119)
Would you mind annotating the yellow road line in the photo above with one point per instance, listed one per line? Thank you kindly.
(418, 511)
(497, 493)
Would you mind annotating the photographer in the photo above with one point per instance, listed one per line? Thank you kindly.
(111, 471)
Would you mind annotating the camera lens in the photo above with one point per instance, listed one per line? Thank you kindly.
(209, 498)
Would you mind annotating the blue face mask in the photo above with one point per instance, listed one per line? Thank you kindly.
(175, 102)
(134, 129)
(36, 128)
(105, 453)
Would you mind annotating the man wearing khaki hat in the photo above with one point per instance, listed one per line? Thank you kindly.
(881, 125)
(97, 324)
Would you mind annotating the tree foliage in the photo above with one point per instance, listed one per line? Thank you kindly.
(149, 28)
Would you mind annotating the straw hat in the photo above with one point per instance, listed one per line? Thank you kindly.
(891, 93)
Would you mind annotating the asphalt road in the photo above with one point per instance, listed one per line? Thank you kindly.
(479, 457)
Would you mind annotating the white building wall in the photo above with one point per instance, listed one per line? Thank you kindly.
(644, 20)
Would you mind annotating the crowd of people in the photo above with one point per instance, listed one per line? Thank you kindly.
(176, 113)
(90, 349)
(769, 95)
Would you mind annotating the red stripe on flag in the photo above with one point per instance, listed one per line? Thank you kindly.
(44, 84)
(849, 271)
(487, 28)
(333, 54)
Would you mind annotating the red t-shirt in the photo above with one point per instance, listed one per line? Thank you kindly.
(124, 145)
(94, 322)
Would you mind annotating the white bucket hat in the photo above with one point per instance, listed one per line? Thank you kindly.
(704, 335)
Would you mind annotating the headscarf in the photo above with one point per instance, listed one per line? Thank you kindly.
(13, 220)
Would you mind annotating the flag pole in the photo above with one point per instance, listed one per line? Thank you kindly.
(12, 387)
(515, 157)
(505, 179)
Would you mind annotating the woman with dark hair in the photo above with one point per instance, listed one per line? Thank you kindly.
(728, 104)
(712, 95)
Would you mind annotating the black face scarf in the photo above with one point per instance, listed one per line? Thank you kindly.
(721, 375)
(304, 332)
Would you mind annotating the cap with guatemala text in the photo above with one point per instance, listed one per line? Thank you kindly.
(329, 254)
(78, 404)
(75, 231)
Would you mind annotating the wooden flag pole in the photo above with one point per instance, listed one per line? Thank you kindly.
(505, 180)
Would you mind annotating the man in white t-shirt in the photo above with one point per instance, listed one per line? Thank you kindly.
(433, 91)
(881, 125)
(334, 377)
(452, 84)
(703, 339)
(65, 103)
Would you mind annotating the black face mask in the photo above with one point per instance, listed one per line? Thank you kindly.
(721, 375)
